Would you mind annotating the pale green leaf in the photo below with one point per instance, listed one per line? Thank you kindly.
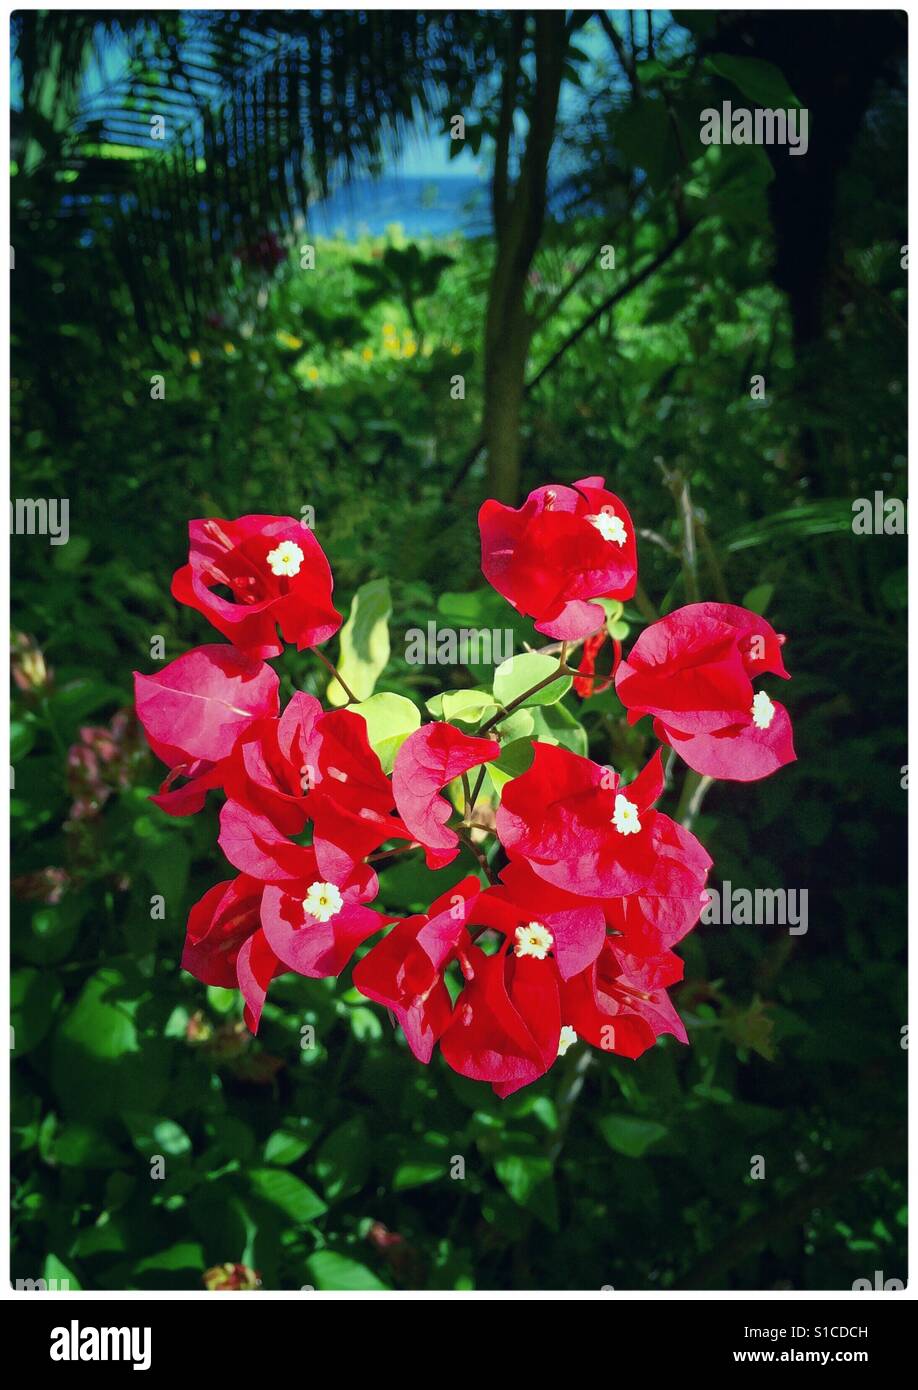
(390, 719)
(363, 643)
(514, 677)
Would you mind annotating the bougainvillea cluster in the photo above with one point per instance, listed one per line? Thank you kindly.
(571, 937)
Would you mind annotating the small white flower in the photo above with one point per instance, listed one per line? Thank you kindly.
(534, 939)
(286, 559)
(323, 901)
(567, 1039)
(763, 711)
(609, 526)
(625, 816)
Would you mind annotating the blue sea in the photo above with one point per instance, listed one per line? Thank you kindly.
(421, 205)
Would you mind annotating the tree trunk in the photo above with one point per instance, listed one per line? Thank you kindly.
(519, 217)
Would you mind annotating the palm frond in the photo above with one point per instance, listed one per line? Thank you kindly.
(168, 142)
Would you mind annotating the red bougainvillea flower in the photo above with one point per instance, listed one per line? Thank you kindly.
(404, 971)
(563, 547)
(655, 919)
(582, 830)
(620, 1003)
(315, 924)
(587, 683)
(218, 924)
(315, 765)
(225, 946)
(194, 710)
(506, 1025)
(692, 671)
(273, 573)
(519, 1011)
(428, 759)
(312, 911)
(523, 901)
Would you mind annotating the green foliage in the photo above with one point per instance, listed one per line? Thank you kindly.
(363, 643)
(518, 674)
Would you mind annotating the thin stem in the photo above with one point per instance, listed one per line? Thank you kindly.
(694, 790)
(521, 699)
(465, 836)
(351, 697)
(387, 853)
(644, 604)
(576, 1066)
(477, 787)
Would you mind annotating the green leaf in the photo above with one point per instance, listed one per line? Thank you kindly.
(78, 1145)
(416, 1172)
(184, 1254)
(79, 698)
(364, 642)
(289, 1193)
(52, 931)
(518, 725)
(155, 1134)
(515, 759)
(645, 136)
(528, 1180)
(63, 1277)
(70, 557)
(826, 517)
(166, 858)
(329, 1270)
(390, 719)
(99, 1065)
(34, 998)
(761, 82)
(758, 598)
(556, 724)
(485, 612)
(222, 1001)
(286, 1146)
(612, 607)
(343, 1159)
(514, 677)
(628, 1135)
(22, 739)
(365, 1026)
(461, 706)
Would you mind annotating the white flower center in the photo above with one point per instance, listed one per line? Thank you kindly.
(533, 939)
(609, 526)
(322, 901)
(567, 1039)
(286, 559)
(763, 711)
(625, 816)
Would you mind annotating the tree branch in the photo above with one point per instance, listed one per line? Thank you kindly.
(637, 279)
